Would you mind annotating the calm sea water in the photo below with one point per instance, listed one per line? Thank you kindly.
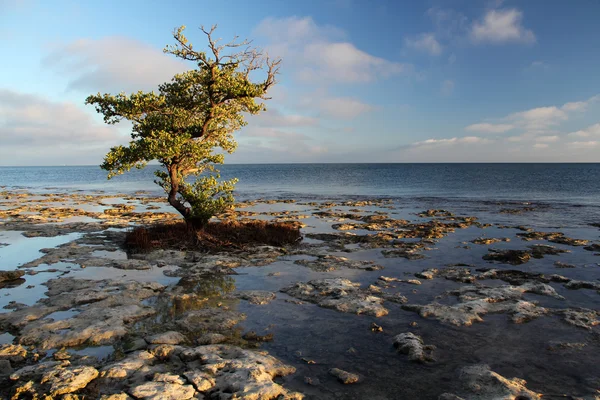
(565, 183)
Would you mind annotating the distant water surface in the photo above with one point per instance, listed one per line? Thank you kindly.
(569, 183)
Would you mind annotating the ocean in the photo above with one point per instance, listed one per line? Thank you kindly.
(577, 184)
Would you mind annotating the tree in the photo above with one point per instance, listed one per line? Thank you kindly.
(190, 122)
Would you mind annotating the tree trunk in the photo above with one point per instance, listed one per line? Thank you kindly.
(195, 223)
(173, 200)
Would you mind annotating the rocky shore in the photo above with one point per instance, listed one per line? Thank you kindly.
(380, 301)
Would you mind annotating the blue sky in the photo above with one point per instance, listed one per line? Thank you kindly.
(362, 81)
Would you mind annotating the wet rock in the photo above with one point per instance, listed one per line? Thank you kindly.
(575, 284)
(344, 376)
(106, 308)
(163, 391)
(252, 336)
(480, 383)
(210, 319)
(593, 247)
(554, 237)
(339, 294)
(409, 254)
(435, 213)
(556, 346)
(6, 276)
(484, 240)
(474, 302)
(211, 338)
(388, 279)
(258, 297)
(514, 257)
(427, 274)
(325, 263)
(171, 337)
(13, 353)
(395, 298)
(69, 379)
(559, 264)
(241, 373)
(411, 344)
(582, 317)
(541, 250)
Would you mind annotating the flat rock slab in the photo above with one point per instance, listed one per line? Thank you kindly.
(6, 276)
(339, 294)
(69, 380)
(481, 383)
(171, 337)
(257, 297)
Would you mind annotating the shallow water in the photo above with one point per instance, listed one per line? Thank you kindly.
(334, 339)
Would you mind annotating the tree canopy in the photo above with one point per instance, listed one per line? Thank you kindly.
(190, 122)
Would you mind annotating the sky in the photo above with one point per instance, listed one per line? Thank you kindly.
(361, 81)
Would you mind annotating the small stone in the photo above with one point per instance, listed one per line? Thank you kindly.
(311, 381)
(211, 338)
(171, 337)
(344, 376)
(168, 378)
(376, 328)
(61, 355)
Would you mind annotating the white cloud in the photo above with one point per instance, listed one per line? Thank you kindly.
(547, 138)
(318, 53)
(539, 118)
(489, 128)
(451, 141)
(584, 145)
(31, 125)
(501, 26)
(540, 146)
(113, 64)
(590, 131)
(424, 42)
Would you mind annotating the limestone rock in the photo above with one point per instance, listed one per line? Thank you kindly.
(13, 352)
(344, 376)
(480, 383)
(163, 391)
(69, 379)
(258, 297)
(411, 344)
(6, 276)
(339, 294)
(171, 337)
(211, 338)
(201, 380)
(240, 373)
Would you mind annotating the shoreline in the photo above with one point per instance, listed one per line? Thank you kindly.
(339, 300)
